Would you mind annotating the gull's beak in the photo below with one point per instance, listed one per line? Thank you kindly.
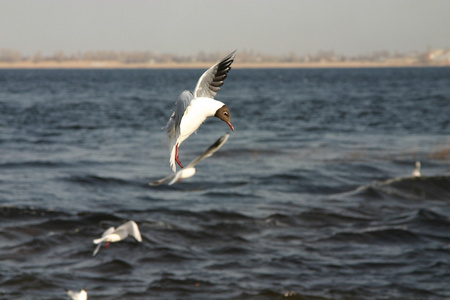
(231, 126)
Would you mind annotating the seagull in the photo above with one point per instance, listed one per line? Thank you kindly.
(81, 295)
(190, 170)
(112, 235)
(416, 172)
(193, 109)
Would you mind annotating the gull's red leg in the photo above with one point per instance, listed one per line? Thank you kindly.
(176, 156)
(107, 245)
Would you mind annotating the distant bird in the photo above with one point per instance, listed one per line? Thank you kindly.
(193, 109)
(190, 170)
(416, 172)
(112, 235)
(81, 295)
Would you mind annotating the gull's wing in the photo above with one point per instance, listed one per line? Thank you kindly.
(132, 229)
(173, 126)
(96, 249)
(108, 231)
(210, 151)
(162, 180)
(182, 103)
(210, 82)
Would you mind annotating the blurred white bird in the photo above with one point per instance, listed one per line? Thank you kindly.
(193, 109)
(81, 295)
(112, 235)
(190, 170)
(416, 172)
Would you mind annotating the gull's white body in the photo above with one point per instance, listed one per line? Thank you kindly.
(193, 109)
(416, 172)
(195, 114)
(113, 235)
(190, 170)
(81, 295)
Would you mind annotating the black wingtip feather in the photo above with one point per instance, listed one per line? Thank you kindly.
(219, 72)
(220, 77)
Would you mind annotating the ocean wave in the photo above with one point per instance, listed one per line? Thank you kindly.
(372, 235)
(98, 180)
(111, 267)
(35, 164)
(27, 212)
(423, 187)
(407, 188)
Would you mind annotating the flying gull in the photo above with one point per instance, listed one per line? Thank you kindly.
(193, 109)
(112, 235)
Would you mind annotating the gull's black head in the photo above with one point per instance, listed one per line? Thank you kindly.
(223, 113)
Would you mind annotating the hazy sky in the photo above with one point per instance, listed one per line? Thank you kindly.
(186, 27)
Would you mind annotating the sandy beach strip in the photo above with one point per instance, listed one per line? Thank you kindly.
(203, 65)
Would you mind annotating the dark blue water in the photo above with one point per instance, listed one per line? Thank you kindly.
(310, 198)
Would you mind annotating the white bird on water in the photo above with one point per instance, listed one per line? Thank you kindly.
(190, 170)
(416, 172)
(193, 109)
(81, 295)
(112, 235)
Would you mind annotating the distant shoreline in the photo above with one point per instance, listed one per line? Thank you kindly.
(204, 65)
